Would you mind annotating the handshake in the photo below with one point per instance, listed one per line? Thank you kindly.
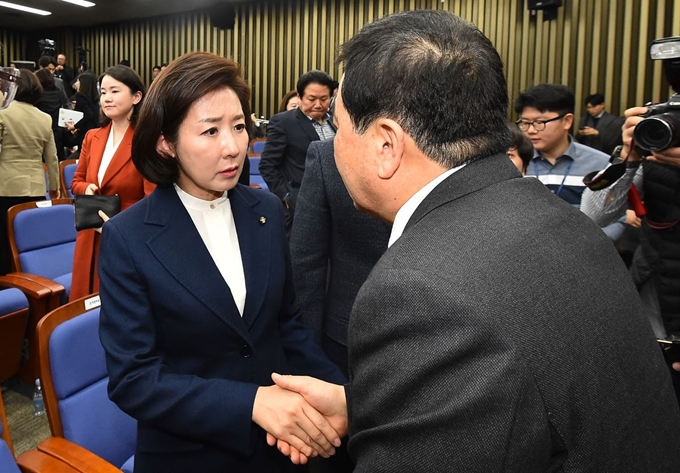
(303, 416)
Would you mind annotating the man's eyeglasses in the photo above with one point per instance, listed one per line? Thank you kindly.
(539, 125)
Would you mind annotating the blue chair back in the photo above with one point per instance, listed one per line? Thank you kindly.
(255, 176)
(44, 238)
(257, 146)
(69, 171)
(77, 384)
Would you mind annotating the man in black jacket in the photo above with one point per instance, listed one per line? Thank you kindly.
(289, 134)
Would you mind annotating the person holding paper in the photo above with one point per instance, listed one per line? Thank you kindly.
(87, 103)
(105, 167)
(25, 140)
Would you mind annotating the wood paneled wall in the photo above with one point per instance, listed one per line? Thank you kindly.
(592, 45)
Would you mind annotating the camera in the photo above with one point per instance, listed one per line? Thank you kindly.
(660, 129)
(47, 47)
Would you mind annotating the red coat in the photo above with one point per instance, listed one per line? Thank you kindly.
(121, 178)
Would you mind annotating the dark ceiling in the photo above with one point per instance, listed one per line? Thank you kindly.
(105, 11)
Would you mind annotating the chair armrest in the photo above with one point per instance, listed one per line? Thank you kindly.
(80, 459)
(37, 462)
(56, 288)
(33, 289)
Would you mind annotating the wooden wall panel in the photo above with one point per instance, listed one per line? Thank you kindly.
(592, 45)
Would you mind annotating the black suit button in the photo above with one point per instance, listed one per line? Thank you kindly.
(245, 351)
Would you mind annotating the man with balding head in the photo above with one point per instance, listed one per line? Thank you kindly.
(500, 332)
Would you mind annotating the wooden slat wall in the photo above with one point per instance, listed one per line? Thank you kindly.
(592, 46)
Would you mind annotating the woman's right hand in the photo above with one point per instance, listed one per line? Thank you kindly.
(91, 189)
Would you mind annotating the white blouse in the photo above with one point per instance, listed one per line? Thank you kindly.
(109, 151)
(215, 223)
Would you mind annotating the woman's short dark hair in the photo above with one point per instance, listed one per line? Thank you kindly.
(88, 86)
(283, 106)
(522, 144)
(46, 79)
(170, 98)
(29, 89)
(132, 80)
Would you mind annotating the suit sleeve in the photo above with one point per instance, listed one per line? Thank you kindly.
(79, 184)
(310, 243)
(273, 155)
(304, 355)
(216, 411)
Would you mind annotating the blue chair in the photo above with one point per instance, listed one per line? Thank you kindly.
(67, 169)
(256, 179)
(42, 239)
(75, 379)
(13, 320)
(257, 146)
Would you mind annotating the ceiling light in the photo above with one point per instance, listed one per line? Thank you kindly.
(81, 3)
(26, 9)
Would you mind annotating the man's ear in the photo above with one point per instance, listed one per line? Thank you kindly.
(568, 120)
(389, 141)
(164, 147)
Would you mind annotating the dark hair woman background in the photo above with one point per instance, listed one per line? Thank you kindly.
(87, 102)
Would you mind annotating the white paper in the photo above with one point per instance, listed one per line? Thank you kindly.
(66, 115)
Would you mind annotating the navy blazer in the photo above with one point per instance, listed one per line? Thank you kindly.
(181, 359)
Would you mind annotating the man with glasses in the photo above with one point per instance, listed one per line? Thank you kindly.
(546, 115)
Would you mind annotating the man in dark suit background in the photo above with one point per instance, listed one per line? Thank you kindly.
(598, 128)
(500, 332)
(333, 249)
(289, 134)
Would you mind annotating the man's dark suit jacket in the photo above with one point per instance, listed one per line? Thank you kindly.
(502, 333)
(333, 248)
(609, 127)
(181, 359)
(282, 163)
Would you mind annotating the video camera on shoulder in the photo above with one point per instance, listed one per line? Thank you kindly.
(660, 129)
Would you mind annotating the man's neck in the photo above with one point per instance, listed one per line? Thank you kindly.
(553, 154)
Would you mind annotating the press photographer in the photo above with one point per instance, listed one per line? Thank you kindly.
(651, 186)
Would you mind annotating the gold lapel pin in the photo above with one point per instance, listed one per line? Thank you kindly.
(263, 220)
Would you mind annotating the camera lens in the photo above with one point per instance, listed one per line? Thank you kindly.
(658, 132)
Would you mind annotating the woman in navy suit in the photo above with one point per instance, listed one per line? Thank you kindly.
(198, 307)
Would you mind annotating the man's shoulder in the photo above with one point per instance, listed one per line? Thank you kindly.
(591, 154)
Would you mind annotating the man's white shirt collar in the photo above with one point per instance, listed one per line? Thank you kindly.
(406, 211)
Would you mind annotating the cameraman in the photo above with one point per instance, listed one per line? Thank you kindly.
(656, 264)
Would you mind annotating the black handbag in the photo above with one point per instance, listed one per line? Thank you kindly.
(88, 206)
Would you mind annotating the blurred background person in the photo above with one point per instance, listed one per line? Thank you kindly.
(289, 101)
(50, 103)
(521, 151)
(25, 141)
(87, 102)
(598, 128)
(65, 72)
(105, 167)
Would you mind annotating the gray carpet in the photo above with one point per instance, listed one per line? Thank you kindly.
(26, 429)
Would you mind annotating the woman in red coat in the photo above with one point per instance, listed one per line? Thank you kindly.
(105, 167)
